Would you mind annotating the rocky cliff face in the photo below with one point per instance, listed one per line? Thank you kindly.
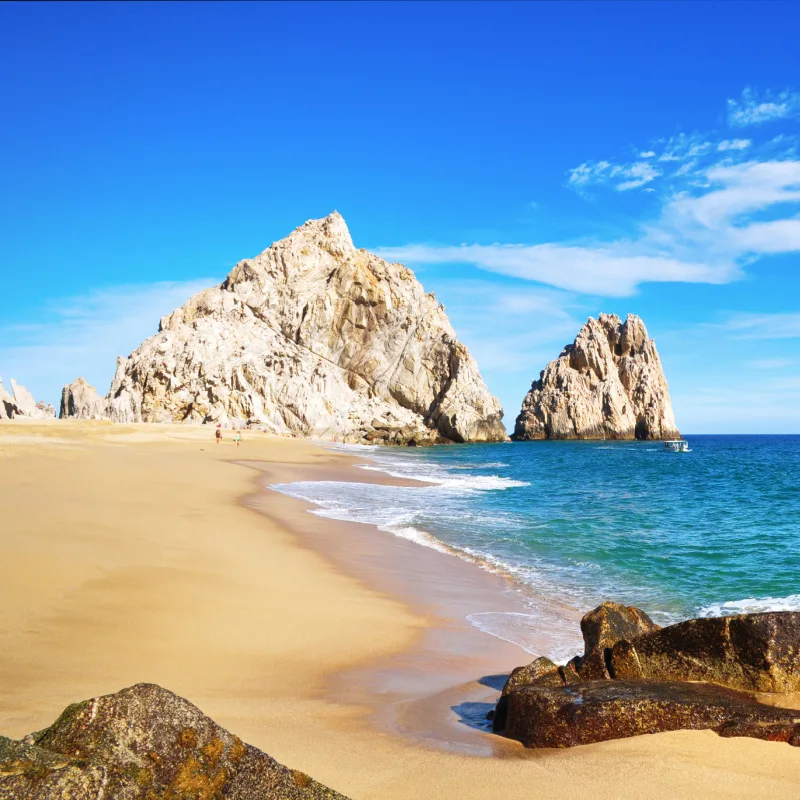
(20, 403)
(608, 383)
(313, 337)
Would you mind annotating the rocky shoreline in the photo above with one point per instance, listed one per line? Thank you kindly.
(635, 677)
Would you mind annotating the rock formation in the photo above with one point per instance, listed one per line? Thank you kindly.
(20, 403)
(140, 744)
(607, 384)
(313, 337)
(79, 400)
(635, 678)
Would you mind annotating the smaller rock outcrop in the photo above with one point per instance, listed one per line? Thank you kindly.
(597, 711)
(80, 400)
(635, 677)
(602, 628)
(144, 743)
(608, 383)
(20, 403)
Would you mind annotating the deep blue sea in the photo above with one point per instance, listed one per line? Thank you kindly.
(709, 532)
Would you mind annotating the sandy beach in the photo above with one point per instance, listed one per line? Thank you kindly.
(149, 553)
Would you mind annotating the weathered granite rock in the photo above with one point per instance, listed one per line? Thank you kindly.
(144, 743)
(540, 672)
(602, 628)
(753, 652)
(601, 710)
(20, 403)
(80, 400)
(542, 667)
(608, 383)
(313, 337)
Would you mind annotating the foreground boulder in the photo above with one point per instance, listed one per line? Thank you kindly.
(635, 677)
(753, 652)
(144, 743)
(597, 711)
(312, 337)
(607, 384)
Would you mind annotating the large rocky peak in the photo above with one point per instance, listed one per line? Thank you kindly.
(313, 337)
(607, 384)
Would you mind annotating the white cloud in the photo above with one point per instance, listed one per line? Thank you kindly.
(704, 234)
(638, 174)
(783, 325)
(770, 363)
(733, 144)
(621, 176)
(609, 270)
(84, 335)
(738, 190)
(756, 108)
(647, 154)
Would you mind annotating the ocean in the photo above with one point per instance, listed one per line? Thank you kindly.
(710, 532)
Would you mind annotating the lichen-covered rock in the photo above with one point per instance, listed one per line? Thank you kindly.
(540, 672)
(608, 383)
(313, 337)
(525, 676)
(20, 403)
(144, 743)
(80, 400)
(601, 710)
(602, 628)
(752, 652)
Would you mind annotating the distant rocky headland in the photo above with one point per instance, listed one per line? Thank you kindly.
(19, 403)
(312, 337)
(608, 383)
(144, 743)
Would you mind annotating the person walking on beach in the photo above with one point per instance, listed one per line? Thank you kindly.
(218, 434)
(237, 438)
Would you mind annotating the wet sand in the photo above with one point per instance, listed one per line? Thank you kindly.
(135, 553)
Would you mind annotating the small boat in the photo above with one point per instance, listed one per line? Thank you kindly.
(676, 446)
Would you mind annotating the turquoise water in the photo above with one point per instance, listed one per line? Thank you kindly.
(712, 531)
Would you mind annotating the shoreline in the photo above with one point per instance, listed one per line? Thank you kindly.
(130, 556)
(437, 691)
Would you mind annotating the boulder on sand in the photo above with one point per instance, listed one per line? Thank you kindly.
(635, 677)
(597, 711)
(144, 743)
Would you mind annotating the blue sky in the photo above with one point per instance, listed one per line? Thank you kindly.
(534, 163)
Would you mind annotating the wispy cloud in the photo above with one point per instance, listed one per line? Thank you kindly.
(611, 270)
(756, 108)
(770, 363)
(701, 236)
(718, 203)
(83, 335)
(764, 326)
(622, 176)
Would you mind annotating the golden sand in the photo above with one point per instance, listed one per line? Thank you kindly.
(128, 555)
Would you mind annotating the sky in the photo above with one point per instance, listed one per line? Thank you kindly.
(533, 163)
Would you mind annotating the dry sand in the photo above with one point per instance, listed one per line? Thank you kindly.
(128, 554)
